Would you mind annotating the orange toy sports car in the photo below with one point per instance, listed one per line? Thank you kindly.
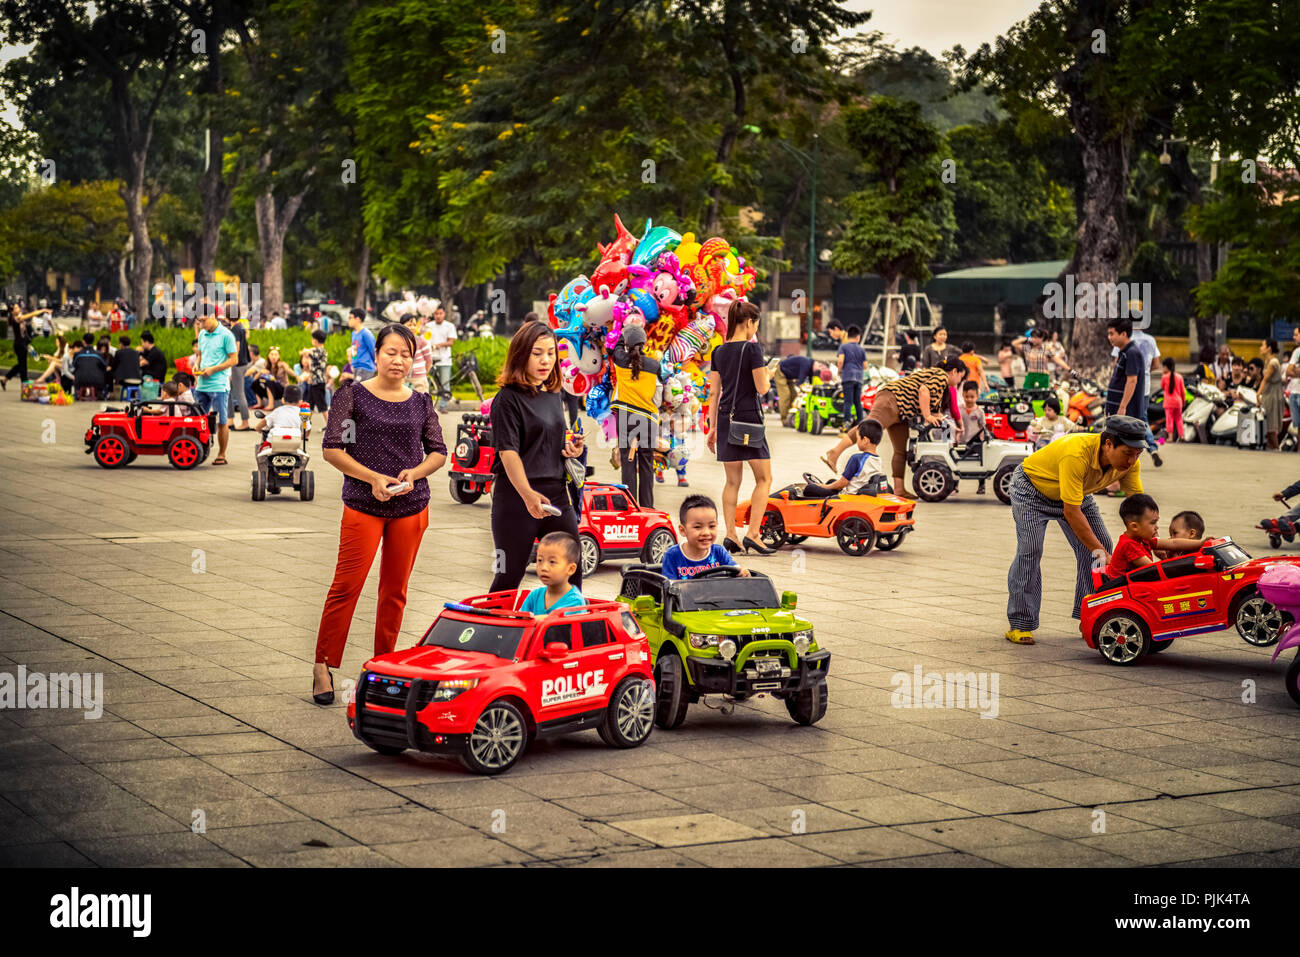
(856, 522)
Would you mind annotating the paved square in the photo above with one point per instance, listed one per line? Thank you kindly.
(200, 607)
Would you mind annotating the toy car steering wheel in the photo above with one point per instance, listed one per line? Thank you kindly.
(722, 571)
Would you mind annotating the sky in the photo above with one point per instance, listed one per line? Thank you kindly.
(934, 25)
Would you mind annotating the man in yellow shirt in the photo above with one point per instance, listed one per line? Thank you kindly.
(1055, 484)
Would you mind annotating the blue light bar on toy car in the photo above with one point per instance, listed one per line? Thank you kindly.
(460, 606)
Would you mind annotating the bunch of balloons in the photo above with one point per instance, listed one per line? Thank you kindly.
(679, 290)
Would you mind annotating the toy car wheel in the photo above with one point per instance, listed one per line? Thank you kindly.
(772, 532)
(815, 422)
(855, 535)
(795, 539)
(1002, 482)
(808, 706)
(466, 453)
(630, 717)
(1121, 638)
(1275, 541)
(183, 452)
(259, 487)
(888, 541)
(673, 696)
(1258, 621)
(467, 493)
(933, 481)
(1159, 646)
(385, 749)
(110, 451)
(497, 740)
(590, 549)
(307, 487)
(1293, 679)
(657, 545)
(801, 420)
(132, 456)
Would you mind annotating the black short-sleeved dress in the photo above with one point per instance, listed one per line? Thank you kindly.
(734, 363)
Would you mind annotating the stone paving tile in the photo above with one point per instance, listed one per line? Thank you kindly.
(207, 704)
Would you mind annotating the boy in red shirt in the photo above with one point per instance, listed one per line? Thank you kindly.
(1136, 547)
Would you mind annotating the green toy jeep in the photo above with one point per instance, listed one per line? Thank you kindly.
(818, 407)
(719, 633)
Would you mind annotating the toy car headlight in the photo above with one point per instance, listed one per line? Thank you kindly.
(727, 649)
(704, 641)
(449, 689)
(802, 640)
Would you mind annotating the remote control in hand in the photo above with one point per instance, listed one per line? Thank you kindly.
(399, 487)
(550, 509)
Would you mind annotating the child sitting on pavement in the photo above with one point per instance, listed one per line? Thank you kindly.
(698, 550)
(284, 416)
(557, 561)
(862, 468)
(1051, 425)
(1137, 546)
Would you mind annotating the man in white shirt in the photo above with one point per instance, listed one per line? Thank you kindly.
(441, 335)
(277, 322)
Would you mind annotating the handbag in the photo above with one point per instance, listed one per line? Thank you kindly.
(746, 434)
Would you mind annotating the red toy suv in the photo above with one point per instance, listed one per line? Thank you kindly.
(485, 680)
(180, 432)
(1145, 610)
(613, 526)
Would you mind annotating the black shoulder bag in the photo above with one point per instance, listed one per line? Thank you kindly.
(742, 433)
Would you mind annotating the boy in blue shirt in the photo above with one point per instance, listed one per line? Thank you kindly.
(557, 562)
(363, 346)
(862, 468)
(698, 551)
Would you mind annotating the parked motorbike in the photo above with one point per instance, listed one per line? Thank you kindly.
(1201, 412)
(1087, 401)
(1241, 423)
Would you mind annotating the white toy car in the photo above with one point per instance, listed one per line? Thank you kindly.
(285, 462)
(938, 464)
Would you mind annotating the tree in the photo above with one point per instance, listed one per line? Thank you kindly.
(65, 228)
(137, 48)
(897, 223)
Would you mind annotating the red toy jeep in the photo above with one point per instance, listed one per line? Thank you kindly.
(472, 458)
(180, 432)
(485, 680)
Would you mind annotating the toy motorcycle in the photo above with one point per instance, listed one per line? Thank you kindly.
(1280, 584)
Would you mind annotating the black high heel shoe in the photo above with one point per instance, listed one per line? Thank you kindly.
(731, 546)
(757, 546)
(325, 697)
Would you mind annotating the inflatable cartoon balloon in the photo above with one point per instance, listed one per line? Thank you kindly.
(688, 250)
(655, 241)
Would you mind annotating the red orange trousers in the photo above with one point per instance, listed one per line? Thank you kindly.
(359, 539)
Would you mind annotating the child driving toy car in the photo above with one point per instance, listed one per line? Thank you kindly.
(698, 550)
(863, 466)
(286, 416)
(1136, 547)
(1285, 524)
(557, 561)
(973, 424)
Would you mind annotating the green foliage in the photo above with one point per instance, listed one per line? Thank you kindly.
(898, 222)
(65, 228)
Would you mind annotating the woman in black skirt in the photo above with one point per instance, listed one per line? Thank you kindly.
(533, 441)
(738, 378)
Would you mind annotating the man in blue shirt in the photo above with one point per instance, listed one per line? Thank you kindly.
(851, 359)
(218, 353)
(1124, 394)
(363, 346)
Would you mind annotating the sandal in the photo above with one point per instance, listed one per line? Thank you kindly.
(1018, 637)
(219, 461)
(830, 465)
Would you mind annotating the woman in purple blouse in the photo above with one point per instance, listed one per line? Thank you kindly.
(380, 434)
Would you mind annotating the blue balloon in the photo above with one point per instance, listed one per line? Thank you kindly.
(598, 400)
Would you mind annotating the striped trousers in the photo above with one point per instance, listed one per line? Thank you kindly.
(1032, 511)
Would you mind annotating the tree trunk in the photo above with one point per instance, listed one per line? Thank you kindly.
(142, 249)
(446, 288)
(214, 194)
(1103, 227)
(363, 277)
(272, 225)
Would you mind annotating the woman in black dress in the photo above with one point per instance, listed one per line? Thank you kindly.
(738, 378)
(533, 441)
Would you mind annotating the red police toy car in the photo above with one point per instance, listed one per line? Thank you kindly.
(151, 427)
(472, 458)
(613, 526)
(1145, 610)
(485, 680)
